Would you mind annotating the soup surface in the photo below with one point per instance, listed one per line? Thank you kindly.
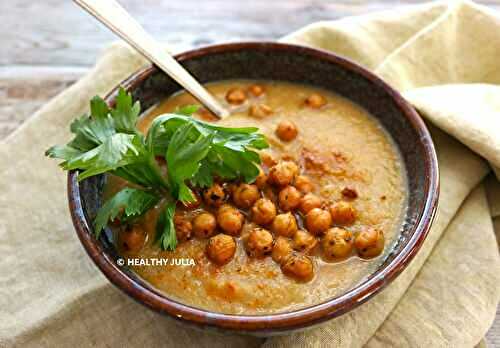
(344, 152)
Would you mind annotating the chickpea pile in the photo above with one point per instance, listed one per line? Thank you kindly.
(285, 219)
(291, 228)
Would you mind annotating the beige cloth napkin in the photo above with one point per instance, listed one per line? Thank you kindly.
(443, 56)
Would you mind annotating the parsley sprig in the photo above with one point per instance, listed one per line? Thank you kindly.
(108, 141)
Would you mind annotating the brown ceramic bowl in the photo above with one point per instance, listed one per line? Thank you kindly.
(276, 61)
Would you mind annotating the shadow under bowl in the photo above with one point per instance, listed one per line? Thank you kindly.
(282, 62)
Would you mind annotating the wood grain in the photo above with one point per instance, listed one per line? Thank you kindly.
(23, 90)
(49, 44)
(57, 32)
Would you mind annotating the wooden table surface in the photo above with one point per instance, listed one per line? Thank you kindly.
(47, 45)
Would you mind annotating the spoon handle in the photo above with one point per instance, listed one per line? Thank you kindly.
(116, 18)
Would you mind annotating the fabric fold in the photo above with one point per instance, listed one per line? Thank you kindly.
(444, 278)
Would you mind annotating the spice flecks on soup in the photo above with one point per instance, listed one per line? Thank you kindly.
(320, 217)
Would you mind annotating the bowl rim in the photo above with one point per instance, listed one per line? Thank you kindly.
(286, 321)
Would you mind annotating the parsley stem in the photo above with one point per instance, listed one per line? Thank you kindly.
(155, 170)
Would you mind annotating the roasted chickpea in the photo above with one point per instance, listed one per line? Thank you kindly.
(245, 195)
(260, 110)
(236, 96)
(133, 239)
(284, 225)
(221, 249)
(225, 207)
(343, 213)
(195, 204)
(259, 242)
(304, 241)
(287, 130)
(256, 90)
(214, 195)
(261, 179)
(337, 243)
(230, 219)
(183, 228)
(267, 159)
(206, 115)
(289, 198)
(270, 194)
(303, 184)
(299, 267)
(369, 243)
(204, 225)
(318, 221)
(161, 160)
(283, 173)
(282, 248)
(263, 211)
(349, 192)
(309, 202)
(116, 221)
(315, 101)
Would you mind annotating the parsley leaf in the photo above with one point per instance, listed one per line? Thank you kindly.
(187, 110)
(125, 115)
(116, 151)
(229, 156)
(129, 202)
(183, 159)
(165, 228)
(64, 152)
(108, 141)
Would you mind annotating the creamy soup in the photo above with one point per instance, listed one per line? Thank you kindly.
(344, 158)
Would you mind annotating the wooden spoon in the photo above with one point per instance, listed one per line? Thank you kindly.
(116, 18)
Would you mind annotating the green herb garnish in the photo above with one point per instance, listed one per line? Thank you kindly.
(108, 141)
